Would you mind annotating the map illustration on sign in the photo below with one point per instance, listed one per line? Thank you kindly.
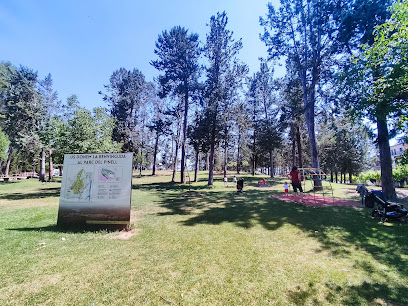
(110, 174)
(80, 186)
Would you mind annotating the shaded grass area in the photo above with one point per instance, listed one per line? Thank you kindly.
(209, 245)
(42, 193)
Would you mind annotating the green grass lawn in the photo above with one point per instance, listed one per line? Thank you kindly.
(207, 246)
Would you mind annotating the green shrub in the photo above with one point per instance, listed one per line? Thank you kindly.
(367, 176)
(400, 174)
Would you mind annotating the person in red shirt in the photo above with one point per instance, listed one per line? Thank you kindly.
(294, 175)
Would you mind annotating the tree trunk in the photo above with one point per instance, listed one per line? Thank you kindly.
(197, 165)
(254, 154)
(309, 104)
(41, 177)
(225, 160)
(51, 168)
(337, 177)
(156, 146)
(239, 154)
(141, 163)
(293, 152)
(211, 161)
(387, 181)
(271, 167)
(207, 161)
(299, 147)
(183, 143)
(172, 152)
(173, 179)
(312, 137)
(6, 171)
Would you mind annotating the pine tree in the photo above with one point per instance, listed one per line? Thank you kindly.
(24, 112)
(52, 109)
(305, 33)
(224, 73)
(178, 54)
(126, 93)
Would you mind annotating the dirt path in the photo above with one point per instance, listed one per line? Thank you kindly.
(317, 200)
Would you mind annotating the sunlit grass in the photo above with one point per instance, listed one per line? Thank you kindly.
(200, 245)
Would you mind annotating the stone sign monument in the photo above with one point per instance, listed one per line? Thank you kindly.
(96, 189)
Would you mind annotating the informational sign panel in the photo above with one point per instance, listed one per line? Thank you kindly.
(96, 189)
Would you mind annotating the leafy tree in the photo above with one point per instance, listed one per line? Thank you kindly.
(304, 32)
(126, 93)
(160, 127)
(69, 108)
(356, 21)
(23, 111)
(60, 127)
(223, 78)
(178, 54)
(50, 96)
(262, 105)
(232, 88)
(388, 57)
(51, 106)
(4, 145)
(198, 139)
(85, 132)
(293, 114)
(344, 145)
(400, 174)
(269, 139)
(175, 114)
(6, 72)
(243, 124)
(364, 89)
(255, 108)
(403, 159)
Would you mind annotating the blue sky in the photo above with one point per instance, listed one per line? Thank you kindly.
(82, 42)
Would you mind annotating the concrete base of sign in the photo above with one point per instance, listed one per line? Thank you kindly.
(90, 226)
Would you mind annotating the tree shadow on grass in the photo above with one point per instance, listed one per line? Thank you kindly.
(341, 231)
(200, 185)
(49, 228)
(375, 293)
(68, 229)
(366, 293)
(42, 193)
(218, 207)
(169, 186)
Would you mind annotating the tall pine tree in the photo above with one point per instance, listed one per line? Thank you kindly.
(178, 53)
(223, 78)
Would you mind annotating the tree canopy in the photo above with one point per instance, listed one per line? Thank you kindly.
(254, 123)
